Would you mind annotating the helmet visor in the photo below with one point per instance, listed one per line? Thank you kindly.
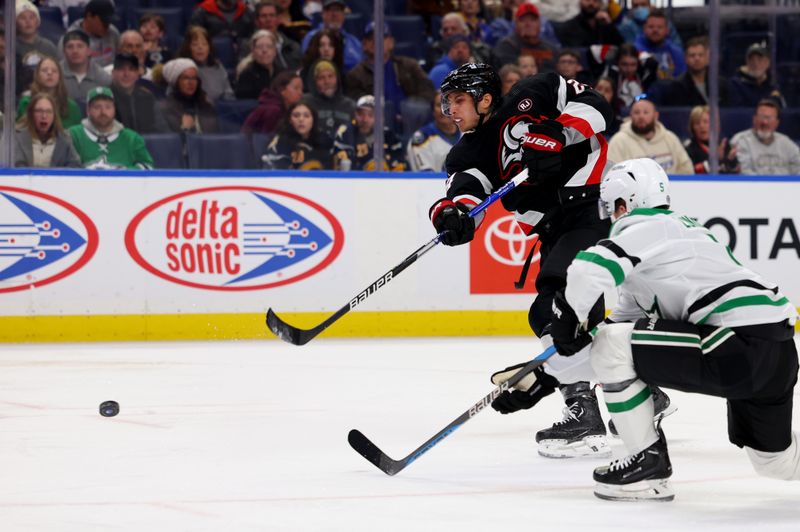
(604, 209)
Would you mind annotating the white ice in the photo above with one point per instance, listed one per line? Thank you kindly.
(252, 436)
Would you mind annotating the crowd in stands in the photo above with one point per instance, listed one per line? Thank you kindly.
(101, 84)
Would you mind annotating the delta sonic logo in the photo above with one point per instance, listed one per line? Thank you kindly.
(42, 239)
(234, 238)
(497, 254)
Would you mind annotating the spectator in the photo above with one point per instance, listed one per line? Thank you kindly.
(644, 136)
(332, 107)
(153, 29)
(135, 106)
(198, 47)
(299, 145)
(289, 53)
(131, 42)
(103, 36)
(753, 81)
(655, 41)
(81, 72)
(691, 88)
(256, 71)
(568, 66)
(187, 108)
(473, 16)
(605, 86)
(503, 25)
(224, 18)
(102, 142)
(429, 146)
(48, 78)
(402, 76)
(333, 19)
(633, 75)
(697, 144)
(764, 151)
(457, 53)
(40, 140)
(454, 24)
(354, 142)
(527, 64)
(326, 45)
(509, 75)
(630, 27)
(291, 20)
(285, 90)
(526, 40)
(592, 25)
(31, 47)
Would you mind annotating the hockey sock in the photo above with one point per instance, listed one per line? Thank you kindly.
(630, 404)
(783, 465)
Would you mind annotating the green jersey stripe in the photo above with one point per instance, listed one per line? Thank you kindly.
(613, 268)
(630, 404)
(745, 301)
(650, 338)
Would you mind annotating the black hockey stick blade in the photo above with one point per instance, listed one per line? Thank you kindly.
(370, 451)
(363, 446)
(286, 332)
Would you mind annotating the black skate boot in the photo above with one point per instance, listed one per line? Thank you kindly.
(661, 405)
(643, 476)
(581, 432)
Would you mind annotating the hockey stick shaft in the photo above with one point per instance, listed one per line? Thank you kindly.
(363, 446)
(298, 336)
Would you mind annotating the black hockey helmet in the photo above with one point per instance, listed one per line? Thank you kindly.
(476, 79)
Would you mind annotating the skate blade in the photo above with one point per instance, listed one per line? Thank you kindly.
(590, 446)
(658, 490)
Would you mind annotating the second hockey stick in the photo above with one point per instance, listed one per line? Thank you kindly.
(297, 336)
(382, 461)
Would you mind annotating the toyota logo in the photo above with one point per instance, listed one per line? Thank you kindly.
(507, 243)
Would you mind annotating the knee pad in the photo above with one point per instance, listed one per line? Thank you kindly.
(783, 465)
(611, 355)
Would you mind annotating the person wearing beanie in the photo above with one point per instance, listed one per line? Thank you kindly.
(102, 142)
(81, 73)
(333, 108)
(103, 35)
(31, 47)
(186, 107)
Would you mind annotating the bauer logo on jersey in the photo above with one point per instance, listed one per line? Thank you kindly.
(525, 104)
(42, 239)
(234, 238)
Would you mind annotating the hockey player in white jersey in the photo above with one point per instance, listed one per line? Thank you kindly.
(689, 317)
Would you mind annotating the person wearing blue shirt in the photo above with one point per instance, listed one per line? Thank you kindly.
(458, 53)
(333, 18)
(655, 41)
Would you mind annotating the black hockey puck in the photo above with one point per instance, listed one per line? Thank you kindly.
(109, 408)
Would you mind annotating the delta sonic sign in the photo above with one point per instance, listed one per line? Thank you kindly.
(42, 239)
(234, 238)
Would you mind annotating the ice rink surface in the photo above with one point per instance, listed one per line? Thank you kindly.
(252, 436)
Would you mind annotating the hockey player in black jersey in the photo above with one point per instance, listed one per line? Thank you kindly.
(551, 126)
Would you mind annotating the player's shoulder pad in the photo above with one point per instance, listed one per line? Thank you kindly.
(637, 218)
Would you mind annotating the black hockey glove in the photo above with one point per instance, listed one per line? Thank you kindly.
(452, 218)
(529, 391)
(541, 151)
(568, 335)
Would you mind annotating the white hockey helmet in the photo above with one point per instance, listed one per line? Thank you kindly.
(641, 183)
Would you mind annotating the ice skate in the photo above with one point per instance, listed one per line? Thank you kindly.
(643, 476)
(580, 433)
(661, 404)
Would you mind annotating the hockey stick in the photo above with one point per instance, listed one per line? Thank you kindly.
(298, 336)
(370, 451)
